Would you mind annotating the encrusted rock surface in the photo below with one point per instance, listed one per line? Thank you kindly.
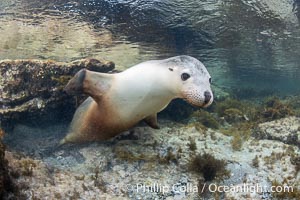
(35, 87)
(286, 130)
(5, 181)
(127, 167)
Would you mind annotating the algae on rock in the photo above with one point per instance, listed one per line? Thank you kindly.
(6, 184)
(33, 88)
(208, 166)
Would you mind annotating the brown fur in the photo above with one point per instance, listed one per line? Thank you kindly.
(98, 122)
(95, 119)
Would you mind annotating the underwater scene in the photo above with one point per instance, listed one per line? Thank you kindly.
(158, 99)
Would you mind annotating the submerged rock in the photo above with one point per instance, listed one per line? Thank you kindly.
(31, 88)
(5, 181)
(286, 130)
(122, 168)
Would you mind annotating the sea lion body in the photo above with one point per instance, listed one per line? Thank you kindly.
(119, 101)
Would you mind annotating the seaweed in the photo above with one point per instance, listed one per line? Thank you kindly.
(213, 136)
(294, 103)
(62, 79)
(206, 119)
(285, 191)
(276, 109)
(255, 162)
(80, 177)
(233, 115)
(26, 166)
(240, 132)
(129, 156)
(198, 126)
(7, 185)
(192, 144)
(208, 166)
(98, 181)
(204, 191)
(169, 157)
(236, 142)
(57, 195)
(295, 160)
(235, 111)
(228, 103)
(75, 195)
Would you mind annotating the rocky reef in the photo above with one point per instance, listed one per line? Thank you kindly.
(6, 184)
(188, 161)
(286, 130)
(30, 89)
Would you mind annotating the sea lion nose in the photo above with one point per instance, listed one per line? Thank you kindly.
(207, 97)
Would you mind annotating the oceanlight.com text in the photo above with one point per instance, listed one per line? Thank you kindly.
(248, 188)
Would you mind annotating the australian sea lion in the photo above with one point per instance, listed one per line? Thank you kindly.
(119, 101)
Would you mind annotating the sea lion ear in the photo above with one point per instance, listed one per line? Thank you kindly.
(152, 121)
(91, 83)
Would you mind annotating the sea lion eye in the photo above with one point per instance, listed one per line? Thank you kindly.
(185, 76)
(209, 80)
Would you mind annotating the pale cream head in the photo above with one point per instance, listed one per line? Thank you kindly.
(192, 80)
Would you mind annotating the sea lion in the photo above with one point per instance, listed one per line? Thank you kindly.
(119, 101)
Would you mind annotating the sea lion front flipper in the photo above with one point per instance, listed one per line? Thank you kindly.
(94, 84)
(152, 121)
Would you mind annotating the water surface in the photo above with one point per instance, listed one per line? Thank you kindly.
(244, 44)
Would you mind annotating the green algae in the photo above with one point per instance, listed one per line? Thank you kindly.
(290, 192)
(241, 117)
(276, 109)
(27, 166)
(98, 180)
(235, 111)
(255, 162)
(233, 115)
(171, 156)
(228, 103)
(208, 166)
(192, 144)
(61, 80)
(240, 133)
(206, 119)
(7, 186)
(129, 156)
(295, 160)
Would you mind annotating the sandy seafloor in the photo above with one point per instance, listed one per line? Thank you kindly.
(132, 166)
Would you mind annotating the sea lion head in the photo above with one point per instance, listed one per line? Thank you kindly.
(192, 80)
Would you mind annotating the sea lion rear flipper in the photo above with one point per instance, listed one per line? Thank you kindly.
(92, 83)
(152, 121)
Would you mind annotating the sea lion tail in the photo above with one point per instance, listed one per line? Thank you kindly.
(75, 85)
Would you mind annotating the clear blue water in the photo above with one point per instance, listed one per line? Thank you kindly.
(246, 45)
